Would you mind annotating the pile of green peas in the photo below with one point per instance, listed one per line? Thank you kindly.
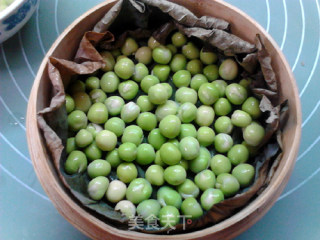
(170, 110)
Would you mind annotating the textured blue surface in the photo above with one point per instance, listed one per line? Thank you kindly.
(25, 210)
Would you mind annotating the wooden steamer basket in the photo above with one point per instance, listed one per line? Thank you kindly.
(65, 47)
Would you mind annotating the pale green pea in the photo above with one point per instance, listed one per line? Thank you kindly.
(113, 158)
(208, 94)
(126, 172)
(83, 138)
(69, 103)
(178, 62)
(115, 125)
(93, 152)
(251, 106)
(98, 168)
(244, 173)
(109, 82)
(223, 142)
(98, 113)
(144, 103)
(240, 118)
(167, 196)
(128, 89)
(161, 71)
(208, 57)
(220, 164)
(190, 51)
(189, 147)
(187, 130)
(144, 55)
(109, 61)
(161, 55)
(223, 125)
(129, 47)
(191, 208)
(170, 126)
(181, 78)
(154, 175)
(205, 116)
(114, 105)
(222, 107)
(145, 154)
(210, 197)
(76, 162)
(221, 86)
(236, 94)
(138, 190)
(194, 66)
(92, 83)
(153, 43)
(197, 80)
(169, 216)
(211, 72)
(127, 208)
(147, 121)
(228, 69)
(205, 179)
(106, 140)
(127, 151)
(170, 154)
(116, 191)
(82, 101)
(178, 39)
(168, 108)
(188, 189)
(97, 187)
(228, 184)
(130, 112)
(133, 134)
(148, 81)
(253, 134)
(149, 210)
(239, 153)
(140, 71)
(71, 145)
(97, 95)
(77, 120)
(205, 136)
(124, 68)
(185, 94)
(201, 162)
(156, 139)
(175, 175)
(187, 112)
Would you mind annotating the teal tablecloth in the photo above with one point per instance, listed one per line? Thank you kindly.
(25, 210)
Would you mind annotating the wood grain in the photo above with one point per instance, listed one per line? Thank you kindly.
(243, 26)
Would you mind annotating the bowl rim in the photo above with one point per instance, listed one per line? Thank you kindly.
(268, 193)
(8, 10)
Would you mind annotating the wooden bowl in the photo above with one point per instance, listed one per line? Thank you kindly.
(65, 47)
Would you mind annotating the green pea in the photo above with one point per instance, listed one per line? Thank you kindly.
(92, 83)
(178, 62)
(116, 52)
(93, 152)
(169, 89)
(194, 66)
(128, 89)
(98, 113)
(161, 55)
(174, 142)
(253, 151)
(253, 134)
(220, 164)
(71, 145)
(82, 101)
(240, 118)
(223, 142)
(238, 154)
(236, 94)
(208, 94)
(76, 162)
(170, 154)
(133, 134)
(158, 160)
(197, 80)
(168, 108)
(244, 173)
(178, 39)
(181, 78)
(97, 187)
(114, 105)
(169, 216)
(221, 86)
(139, 189)
(211, 72)
(191, 208)
(109, 61)
(187, 112)
(185, 94)
(116, 191)
(144, 55)
(205, 116)
(156, 139)
(187, 130)
(130, 112)
(126, 208)
(98, 168)
(246, 82)
(223, 125)
(129, 47)
(228, 69)
(201, 162)
(172, 48)
(188, 189)
(69, 103)
(189, 148)
(251, 106)
(190, 51)
(83, 138)
(149, 210)
(76, 86)
(170, 126)
(205, 136)
(140, 71)
(154, 175)
(147, 121)
(127, 151)
(161, 71)
(113, 158)
(109, 82)
(158, 94)
(167, 196)
(148, 81)
(228, 184)
(208, 57)
(144, 103)
(126, 172)
(153, 43)
(94, 129)
(97, 95)
(210, 197)
(124, 68)
(77, 120)
(145, 154)
(222, 107)
(184, 164)
(205, 179)
(106, 140)
(175, 175)
(121, 57)
(115, 125)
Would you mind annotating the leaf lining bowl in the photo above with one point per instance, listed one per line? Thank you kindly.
(242, 26)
